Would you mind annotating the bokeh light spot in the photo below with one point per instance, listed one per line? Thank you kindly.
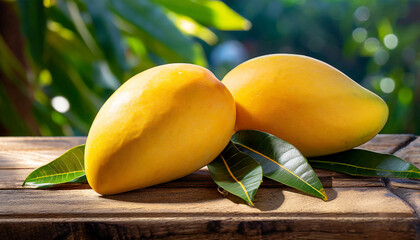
(45, 78)
(387, 85)
(381, 57)
(391, 41)
(60, 104)
(359, 34)
(229, 52)
(405, 95)
(362, 13)
(371, 44)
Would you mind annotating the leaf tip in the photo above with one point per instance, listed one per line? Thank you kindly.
(247, 25)
(324, 195)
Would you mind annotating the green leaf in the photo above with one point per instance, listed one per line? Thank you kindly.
(108, 36)
(208, 12)
(81, 179)
(32, 17)
(69, 167)
(191, 27)
(280, 161)
(149, 18)
(366, 163)
(55, 14)
(237, 173)
(76, 16)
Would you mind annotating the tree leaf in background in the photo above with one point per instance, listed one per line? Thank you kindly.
(104, 77)
(54, 13)
(366, 163)
(280, 161)
(208, 12)
(108, 36)
(82, 29)
(69, 167)
(156, 49)
(237, 173)
(33, 22)
(9, 116)
(189, 26)
(138, 57)
(12, 72)
(69, 84)
(150, 18)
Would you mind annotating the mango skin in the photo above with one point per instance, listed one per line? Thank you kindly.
(306, 102)
(160, 125)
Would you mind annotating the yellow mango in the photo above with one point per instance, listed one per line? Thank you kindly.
(306, 102)
(160, 125)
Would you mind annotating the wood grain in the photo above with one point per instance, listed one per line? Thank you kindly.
(211, 228)
(191, 207)
(408, 189)
(18, 154)
(200, 202)
(203, 214)
(13, 179)
(39, 143)
(32, 152)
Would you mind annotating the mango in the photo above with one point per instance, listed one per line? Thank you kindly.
(160, 125)
(305, 102)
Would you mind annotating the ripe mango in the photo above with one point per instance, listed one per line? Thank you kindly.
(306, 102)
(160, 125)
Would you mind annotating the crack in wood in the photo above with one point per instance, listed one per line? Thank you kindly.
(404, 144)
(402, 194)
(401, 190)
(363, 208)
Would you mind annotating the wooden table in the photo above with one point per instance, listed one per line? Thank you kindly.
(192, 208)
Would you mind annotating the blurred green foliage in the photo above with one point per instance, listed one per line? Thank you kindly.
(376, 43)
(79, 51)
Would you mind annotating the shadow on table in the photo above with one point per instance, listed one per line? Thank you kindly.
(193, 195)
(331, 194)
(267, 199)
(168, 195)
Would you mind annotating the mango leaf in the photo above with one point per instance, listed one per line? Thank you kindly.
(108, 36)
(280, 161)
(208, 12)
(69, 167)
(366, 163)
(237, 173)
(32, 17)
(151, 19)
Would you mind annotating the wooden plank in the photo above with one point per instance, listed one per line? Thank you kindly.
(411, 152)
(32, 152)
(388, 143)
(13, 179)
(200, 202)
(211, 228)
(29, 153)
(408, 189)
(202, 213)
(185, 211)
(382, 142)
(28, 159)
(39, 143)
